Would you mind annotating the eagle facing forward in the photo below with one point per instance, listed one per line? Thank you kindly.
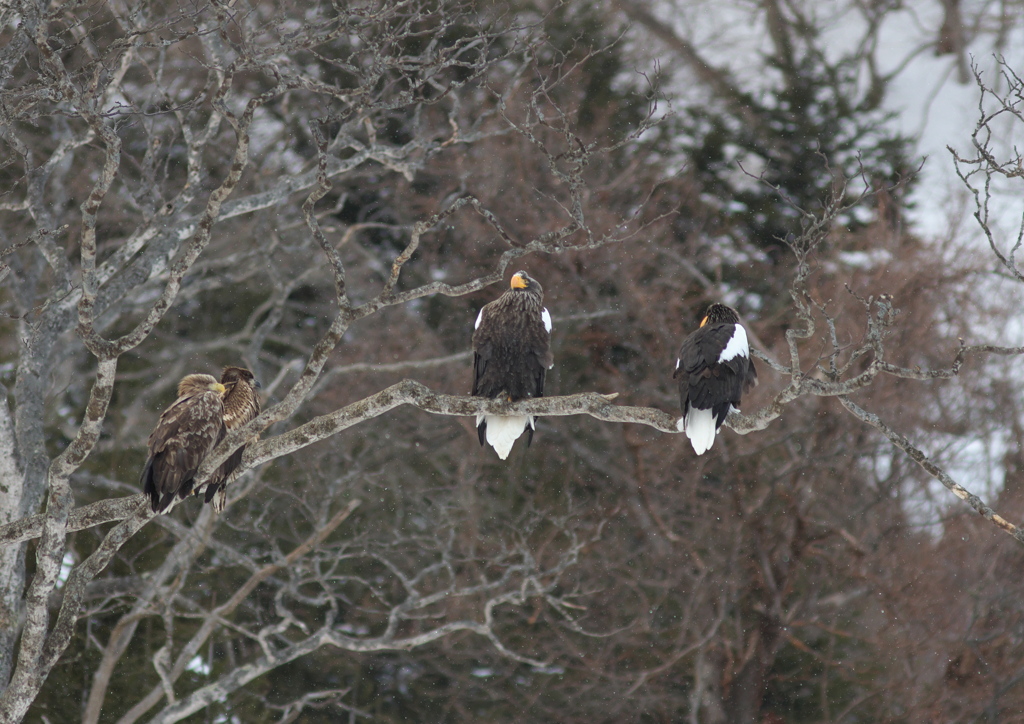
(714, 369)
(190, 429)
(511, 355)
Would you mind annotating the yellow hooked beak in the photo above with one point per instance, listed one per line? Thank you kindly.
(703, 321)
(518, 282)
(218, 388)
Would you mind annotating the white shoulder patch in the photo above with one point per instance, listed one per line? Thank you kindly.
(737, 346)
(479, 318)
(546, 318)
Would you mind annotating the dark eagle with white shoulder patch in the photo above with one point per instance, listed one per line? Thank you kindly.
(714, 370)
(511, 356)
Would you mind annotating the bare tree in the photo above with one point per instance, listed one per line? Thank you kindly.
(326, 194)
(155, 118)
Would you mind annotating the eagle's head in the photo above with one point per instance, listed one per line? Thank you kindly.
(523, 282)
(720, 314)
(195, 384)
(233, 375)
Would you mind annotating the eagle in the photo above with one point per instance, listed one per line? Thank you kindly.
(511, 355)
(714, 369)
(186, 433)
(190, 429)
(241, 405)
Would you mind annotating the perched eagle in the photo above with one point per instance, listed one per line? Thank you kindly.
(714, 370)
(511, 355)
(241, 405)
(186, 433)
(190, 429)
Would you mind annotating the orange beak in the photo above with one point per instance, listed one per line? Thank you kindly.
(703, 321)
(518, 282)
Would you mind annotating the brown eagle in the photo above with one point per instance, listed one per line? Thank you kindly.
(511, 355)
(714, 369)
(241, 405)
(186, 433)
(190, 429)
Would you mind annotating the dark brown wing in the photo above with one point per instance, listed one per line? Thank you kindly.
(705, 381)
(186, 433)
(241, 406)
(483, 350)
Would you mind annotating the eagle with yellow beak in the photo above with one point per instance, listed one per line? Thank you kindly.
(511, 356)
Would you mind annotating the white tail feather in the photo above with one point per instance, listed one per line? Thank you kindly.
(700, 428)
(502, 431)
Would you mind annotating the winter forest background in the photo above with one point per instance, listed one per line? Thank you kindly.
(327, 194)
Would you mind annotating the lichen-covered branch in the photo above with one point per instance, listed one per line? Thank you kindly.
(933, 469)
